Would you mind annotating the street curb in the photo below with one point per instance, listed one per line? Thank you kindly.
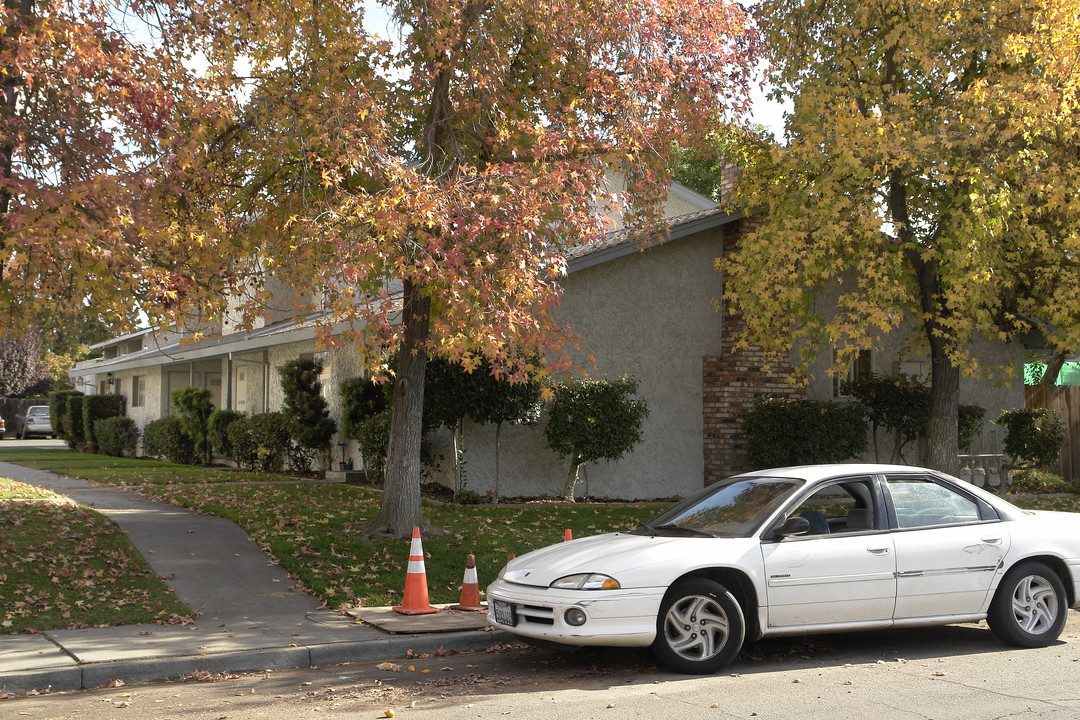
(91, 675)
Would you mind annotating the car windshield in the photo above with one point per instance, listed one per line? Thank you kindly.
(733, 508)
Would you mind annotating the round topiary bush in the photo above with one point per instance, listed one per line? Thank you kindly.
(117, 436)
(165, 438)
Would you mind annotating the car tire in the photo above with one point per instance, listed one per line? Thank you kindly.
(700, 628)
(1030, 606)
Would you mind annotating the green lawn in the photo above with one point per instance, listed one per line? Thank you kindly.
(313, 528)
(123, 471)
(63, 565)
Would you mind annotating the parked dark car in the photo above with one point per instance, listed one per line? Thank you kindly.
(3, 428)
(36, 421)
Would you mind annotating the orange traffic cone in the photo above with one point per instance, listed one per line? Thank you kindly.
(510, 556)
(416, 594)
(470, 589)
(567, 535)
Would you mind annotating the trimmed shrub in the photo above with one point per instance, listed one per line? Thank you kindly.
(304, 407)
(58, 412)
(373, 436)
(1038, 481)
(782, 432)
(217, 430)
(99, 407)
(165, 438)
(117, 436)
(970, 420)
(73, 419)
(360, 399)
(901, 405)
(260, 442)
(594, 420)
(1033, 437)
(195, 406)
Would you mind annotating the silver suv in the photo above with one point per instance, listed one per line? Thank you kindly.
(36, 421)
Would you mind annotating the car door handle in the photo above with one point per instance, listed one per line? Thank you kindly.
(992, 540)
(878, 551)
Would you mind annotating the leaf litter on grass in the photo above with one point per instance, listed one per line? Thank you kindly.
(65, 566)
(315, 532)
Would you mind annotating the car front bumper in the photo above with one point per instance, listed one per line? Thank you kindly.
(615, 618)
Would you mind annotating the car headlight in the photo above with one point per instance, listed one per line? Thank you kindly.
(586, 581)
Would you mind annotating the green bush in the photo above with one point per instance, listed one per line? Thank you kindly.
(782, 432)
(260, 442)
(217, 430)
(195, 405)
(360, 399)
(58, 412)
(901, 405)
(304, 408)
(970, 420)
(1037, 481)
(1033, 437)
(594, 420)
(73, 419)
(99, 407)
(117, 436)
(373, 436)
(165, 438)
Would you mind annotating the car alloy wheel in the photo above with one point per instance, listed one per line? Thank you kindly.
(700, 628)
(1029, 607)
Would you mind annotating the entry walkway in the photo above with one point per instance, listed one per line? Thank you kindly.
(249, 618)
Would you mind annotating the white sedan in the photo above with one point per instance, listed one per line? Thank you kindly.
(795, 551)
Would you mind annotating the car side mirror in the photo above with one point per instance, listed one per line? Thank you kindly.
(792, 526)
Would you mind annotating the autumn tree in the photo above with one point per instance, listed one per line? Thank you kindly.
(84, 110)
(929, 174)
(419, 194)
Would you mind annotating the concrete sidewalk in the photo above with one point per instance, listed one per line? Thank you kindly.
(249, 617)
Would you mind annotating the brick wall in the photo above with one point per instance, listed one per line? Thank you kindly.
(730, 382)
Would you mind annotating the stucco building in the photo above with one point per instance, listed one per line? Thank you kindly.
(646, 310)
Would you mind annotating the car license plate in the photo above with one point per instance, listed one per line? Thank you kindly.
(504, 613)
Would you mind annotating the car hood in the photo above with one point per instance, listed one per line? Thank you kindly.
(633, 560)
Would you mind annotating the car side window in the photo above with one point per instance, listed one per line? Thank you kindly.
(839, 507)
(919, 502)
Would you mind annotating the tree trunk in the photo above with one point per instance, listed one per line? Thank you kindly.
(21, 15)
(459, 440)
(942, 431)
(1053, 369)
(572, 478)
(400, 511)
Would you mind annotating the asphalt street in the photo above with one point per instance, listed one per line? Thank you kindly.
(958, 672)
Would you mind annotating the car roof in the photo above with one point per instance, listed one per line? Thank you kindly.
(819, 472)
(815, 473)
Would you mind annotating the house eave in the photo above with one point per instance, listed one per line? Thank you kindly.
(693, 224)
(175, 352)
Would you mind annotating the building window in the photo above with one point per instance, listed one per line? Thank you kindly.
(860, 369)
(138, 391)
